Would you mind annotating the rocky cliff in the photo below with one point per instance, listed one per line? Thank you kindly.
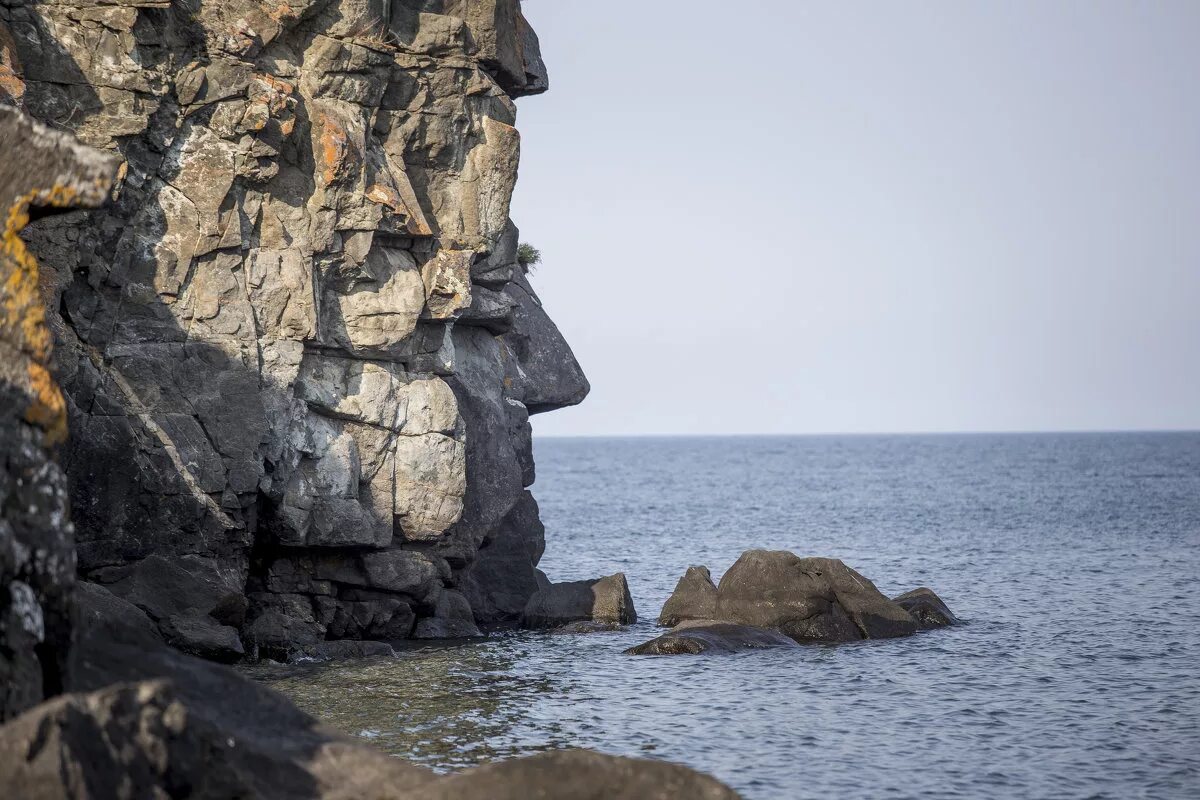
(297, 349)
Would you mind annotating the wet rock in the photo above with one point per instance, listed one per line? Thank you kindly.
(579, 775)
(808, 599)
(926, 608)
(452, 619)
(601, 600)
(695, 597)
(587, 626)
(706, 636)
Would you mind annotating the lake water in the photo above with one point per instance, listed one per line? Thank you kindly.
(1074, 560)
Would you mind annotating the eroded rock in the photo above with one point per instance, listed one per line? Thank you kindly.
(601, 600)
(708, 636)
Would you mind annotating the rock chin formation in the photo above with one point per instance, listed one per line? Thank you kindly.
(298, 352)
(771, 592)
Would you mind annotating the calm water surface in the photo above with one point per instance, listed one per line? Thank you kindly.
(1074, 559)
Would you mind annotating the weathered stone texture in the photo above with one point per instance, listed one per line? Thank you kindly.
(299, 332)
(40, 170)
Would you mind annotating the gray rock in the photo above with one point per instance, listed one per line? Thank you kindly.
(163, 587)
(707, 636)
(926, 608)
(695, 597)
(601, 600)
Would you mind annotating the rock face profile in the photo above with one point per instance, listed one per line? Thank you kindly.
(804, 599)
(297, 349)
(605, 600)
(200, 523)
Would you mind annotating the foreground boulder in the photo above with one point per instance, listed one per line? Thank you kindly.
(577, 775)
(605, 600)
(183, 727)
(926, 608)
(713, 637)
(806, 599)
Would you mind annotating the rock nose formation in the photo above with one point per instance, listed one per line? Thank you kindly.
(298, 352)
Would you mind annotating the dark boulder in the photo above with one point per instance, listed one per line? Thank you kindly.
(601, 600)
(695, 597)
(199, 634)
(926, 608)
(100, 611)
(452, 619)
(808, 599)
(343, 649)
(576, 775)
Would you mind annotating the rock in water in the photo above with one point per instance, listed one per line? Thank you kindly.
(695, 597)
(926, 608)
(808, 599)
(706, 636)
(602, 600)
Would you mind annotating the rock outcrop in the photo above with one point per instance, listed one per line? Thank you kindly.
(605, 600)
(40, 171)
(806, 599)
(298, 352)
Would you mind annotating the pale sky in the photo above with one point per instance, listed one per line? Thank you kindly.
(791, 217)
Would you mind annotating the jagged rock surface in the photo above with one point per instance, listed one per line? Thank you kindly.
(298, 352)
(43, 170)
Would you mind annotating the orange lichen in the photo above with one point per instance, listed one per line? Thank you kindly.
(335, 143)
(47, 408)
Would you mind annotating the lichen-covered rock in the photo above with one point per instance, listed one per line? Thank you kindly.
(45, 170)
(299, 332)
(601, 600)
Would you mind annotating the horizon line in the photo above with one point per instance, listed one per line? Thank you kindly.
(817, 434)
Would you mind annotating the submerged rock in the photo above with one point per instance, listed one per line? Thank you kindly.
(601, 600)
(807, 599)
(706, 636)
(926, 608)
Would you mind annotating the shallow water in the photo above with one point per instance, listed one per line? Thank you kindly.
(1072, 557)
